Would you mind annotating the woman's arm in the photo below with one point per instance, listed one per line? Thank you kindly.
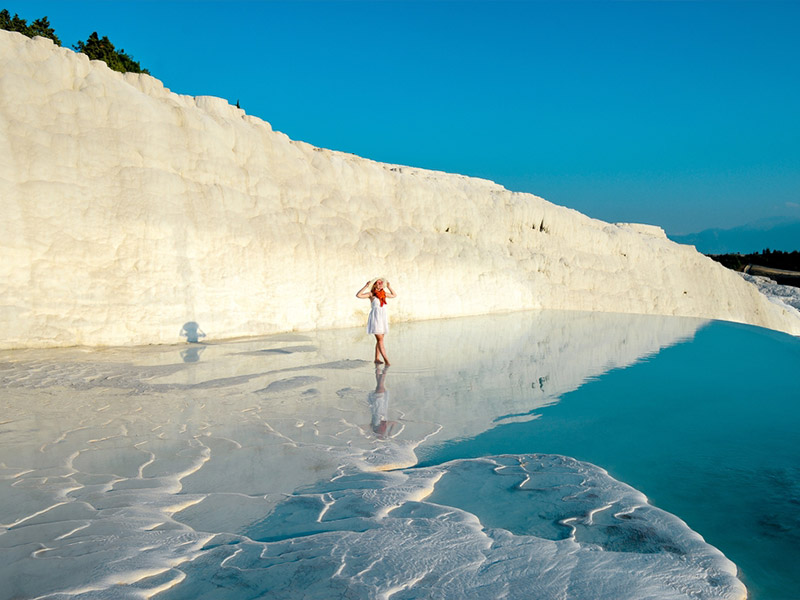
(364, 292)
(391, 293)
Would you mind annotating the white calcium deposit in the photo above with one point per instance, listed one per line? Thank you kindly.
(128, 210)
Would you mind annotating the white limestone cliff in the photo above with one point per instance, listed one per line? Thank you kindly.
(129, 210)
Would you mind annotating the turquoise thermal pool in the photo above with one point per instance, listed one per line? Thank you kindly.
(541, 454)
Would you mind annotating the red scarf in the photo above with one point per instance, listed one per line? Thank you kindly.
(380, 295)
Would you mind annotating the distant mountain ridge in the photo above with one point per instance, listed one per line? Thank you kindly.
(777, 233)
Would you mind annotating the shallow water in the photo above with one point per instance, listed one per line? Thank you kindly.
(708, 430)
(287, 465)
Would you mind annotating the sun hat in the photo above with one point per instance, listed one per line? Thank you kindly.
(383, 279)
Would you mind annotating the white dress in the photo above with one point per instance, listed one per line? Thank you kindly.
(379, 405)
(378, 320)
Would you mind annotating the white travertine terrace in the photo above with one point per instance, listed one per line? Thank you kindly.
(129, 210)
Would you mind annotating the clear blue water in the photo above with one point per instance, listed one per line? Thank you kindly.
(708, 430)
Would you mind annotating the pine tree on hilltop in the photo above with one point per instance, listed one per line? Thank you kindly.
(95, 47)
(40, 27)
(98, 48)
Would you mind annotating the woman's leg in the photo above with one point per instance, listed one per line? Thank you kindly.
(380, 347)
(378, 360)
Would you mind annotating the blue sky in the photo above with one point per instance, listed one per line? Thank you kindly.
(680, 114)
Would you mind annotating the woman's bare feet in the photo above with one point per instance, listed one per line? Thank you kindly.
(380, 350)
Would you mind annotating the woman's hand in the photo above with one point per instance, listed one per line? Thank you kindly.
(361, 294)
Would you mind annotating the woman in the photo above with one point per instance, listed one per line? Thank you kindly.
(378, 322)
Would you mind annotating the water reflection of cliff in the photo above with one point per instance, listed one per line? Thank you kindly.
(470, 374)
(464, 375)
(450, 379)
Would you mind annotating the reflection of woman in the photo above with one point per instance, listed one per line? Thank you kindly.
(379, 405)
(378, 320)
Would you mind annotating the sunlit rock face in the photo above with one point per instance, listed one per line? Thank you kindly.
(129, 210)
